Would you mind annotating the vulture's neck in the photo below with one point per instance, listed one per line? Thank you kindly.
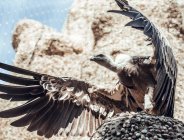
(110, 64)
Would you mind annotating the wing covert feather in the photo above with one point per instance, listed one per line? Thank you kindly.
(54, 105)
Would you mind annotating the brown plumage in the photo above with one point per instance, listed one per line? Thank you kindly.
(165, 67)
(68, 106)
(135, 78)
(64, 106)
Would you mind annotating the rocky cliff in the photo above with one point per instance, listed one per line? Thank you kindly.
(90, 30)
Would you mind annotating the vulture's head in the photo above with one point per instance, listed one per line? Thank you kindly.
(119, 63)
(101, 59)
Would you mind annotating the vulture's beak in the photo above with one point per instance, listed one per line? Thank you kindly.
(92, 58)
(97, 58)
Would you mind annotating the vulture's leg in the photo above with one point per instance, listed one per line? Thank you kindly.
(148, 100)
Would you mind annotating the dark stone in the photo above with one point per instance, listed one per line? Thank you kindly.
(141, 126)
(165, 136)
(138, 135)
(160, 139)
(118, 133)
(155, 137)
(179, 135)
(123, 130)
(144, 131)
(149, 134)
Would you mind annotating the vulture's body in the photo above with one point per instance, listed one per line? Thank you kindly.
(68, 106)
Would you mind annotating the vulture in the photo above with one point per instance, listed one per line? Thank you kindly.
(71, 107)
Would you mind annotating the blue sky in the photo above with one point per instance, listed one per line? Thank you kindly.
(49, 12)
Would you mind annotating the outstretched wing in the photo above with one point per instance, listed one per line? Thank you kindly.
(166, 68)
(64, 106)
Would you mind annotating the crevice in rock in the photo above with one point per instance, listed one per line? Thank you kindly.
(36, 46)
(57, 47)
(100, 28)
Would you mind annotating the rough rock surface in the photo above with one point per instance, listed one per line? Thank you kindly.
(140, 127)
(89, 30)
(181, 6)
